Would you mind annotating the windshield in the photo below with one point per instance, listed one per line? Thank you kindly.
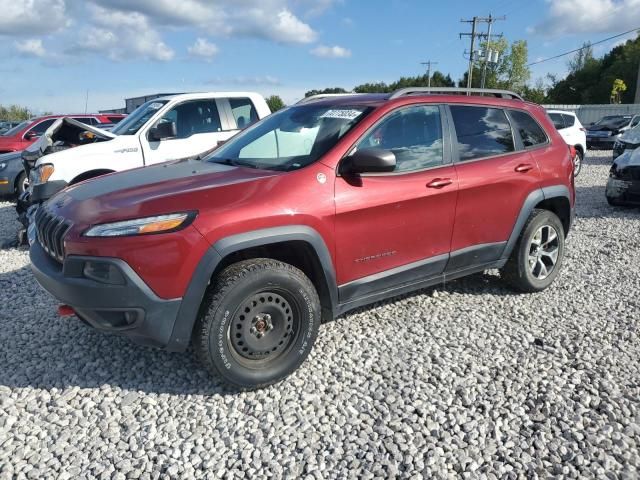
(132, 123)
(16, 129)
(291, 138)
(613, 121)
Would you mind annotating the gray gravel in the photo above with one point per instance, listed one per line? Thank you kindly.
(469, 380)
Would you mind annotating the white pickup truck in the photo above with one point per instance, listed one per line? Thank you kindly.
(163, 129)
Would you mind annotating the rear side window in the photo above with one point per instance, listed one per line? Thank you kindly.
(569, 120)
(557, 120)
(42, 126)
(244, 113)
(530, 132)
(481, 132)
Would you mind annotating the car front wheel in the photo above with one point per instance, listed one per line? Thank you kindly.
(257, 323)
(577, 162)
(537, 257)
(22, 183)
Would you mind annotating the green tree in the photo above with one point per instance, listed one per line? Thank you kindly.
(582, 58)
(332, 90)
(536, 93)
(275, 103)
(617, 89)
(15, 113)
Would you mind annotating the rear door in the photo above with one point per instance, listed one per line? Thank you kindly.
(495, 175)
(199, 128)
(394, 225)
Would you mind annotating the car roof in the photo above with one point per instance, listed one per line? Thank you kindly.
(562, 111)
(201, 95)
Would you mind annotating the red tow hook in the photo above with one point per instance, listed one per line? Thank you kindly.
(65, 311)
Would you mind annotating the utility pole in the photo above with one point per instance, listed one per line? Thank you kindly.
(637, 96)
(474, 23)
(428, 64)
(490, 21)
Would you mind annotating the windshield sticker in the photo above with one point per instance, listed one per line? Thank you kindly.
(342, 114)
(156, 105)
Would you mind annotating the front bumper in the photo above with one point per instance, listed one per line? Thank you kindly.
(623, 191)
(6, 186)
(601, 142)
(124, 306)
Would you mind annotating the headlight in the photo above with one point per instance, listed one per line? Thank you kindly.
(44, 172)
(143, 226)
(3, 166)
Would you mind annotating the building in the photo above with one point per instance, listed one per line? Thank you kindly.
(134, 102)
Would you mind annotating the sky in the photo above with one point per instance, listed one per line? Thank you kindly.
(53, 53)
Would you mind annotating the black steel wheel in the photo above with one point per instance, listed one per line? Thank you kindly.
(258, 323)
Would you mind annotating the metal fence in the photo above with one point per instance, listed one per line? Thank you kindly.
(592, 113)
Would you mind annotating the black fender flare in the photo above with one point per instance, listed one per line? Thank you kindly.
(533, 199)
(200, 280)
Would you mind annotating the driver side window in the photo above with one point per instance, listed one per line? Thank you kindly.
(413, 134)
(192, 118)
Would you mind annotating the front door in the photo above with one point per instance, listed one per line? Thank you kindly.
(199, 129)
(394, 227)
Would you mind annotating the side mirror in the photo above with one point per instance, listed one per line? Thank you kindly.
(163, 130)
(369, 160)
(30, 135)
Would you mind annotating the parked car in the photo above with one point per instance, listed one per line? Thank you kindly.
(320, 208)
(162, 129)
(27, 132)
(6, 126)
(12, 177)
(623, 185)
(628, 141)
(605, 132)
(569, 126)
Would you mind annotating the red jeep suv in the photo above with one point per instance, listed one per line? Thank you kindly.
(331, 204)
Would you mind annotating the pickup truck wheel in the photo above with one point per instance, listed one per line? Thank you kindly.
(22, 183)
(257, 323)
(537, 257)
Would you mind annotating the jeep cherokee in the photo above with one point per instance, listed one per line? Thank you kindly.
(331, 204)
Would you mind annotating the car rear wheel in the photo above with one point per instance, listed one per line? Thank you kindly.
(257, 323)
(577, 162)
(537, 257)
(22, 183)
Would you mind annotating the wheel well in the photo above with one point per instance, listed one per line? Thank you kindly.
(89, 174)
(561, 207)
(300, 254)
(17, 179)
(579, 148)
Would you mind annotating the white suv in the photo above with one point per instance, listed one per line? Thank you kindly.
(573, 133)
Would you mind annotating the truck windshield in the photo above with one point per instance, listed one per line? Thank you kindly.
(291, 138)
(17, 128)
(613, 121)
(132, 123)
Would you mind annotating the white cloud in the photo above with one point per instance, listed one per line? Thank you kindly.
(331, 52)
(203, 49)
(123, 36)
(589, 16)
(32, 17)
(265, 19)
(32, 47)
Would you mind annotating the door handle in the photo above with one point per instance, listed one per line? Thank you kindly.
(523, 167)
(439, 183)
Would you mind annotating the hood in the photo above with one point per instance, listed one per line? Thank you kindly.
(631, 136)
(170, 186)
(11, 156)
(64, 132)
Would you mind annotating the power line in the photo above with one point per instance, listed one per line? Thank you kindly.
(582, 48)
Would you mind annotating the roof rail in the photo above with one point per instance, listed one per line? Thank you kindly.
(454, 90)
(320, 96)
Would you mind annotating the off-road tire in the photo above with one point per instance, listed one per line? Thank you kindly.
(517, 271)
(243, 294)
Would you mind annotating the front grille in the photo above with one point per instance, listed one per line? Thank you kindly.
(51, 230)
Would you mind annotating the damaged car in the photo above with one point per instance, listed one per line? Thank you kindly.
(604, 133)
(623, 186)
(628, 141)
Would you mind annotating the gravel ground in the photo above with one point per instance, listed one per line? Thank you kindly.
(469, 380)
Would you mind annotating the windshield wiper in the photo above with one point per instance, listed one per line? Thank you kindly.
(233, 162)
